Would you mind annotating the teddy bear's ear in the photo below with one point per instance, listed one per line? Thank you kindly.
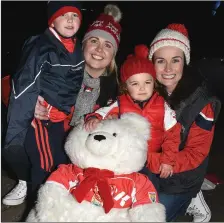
(137, 122)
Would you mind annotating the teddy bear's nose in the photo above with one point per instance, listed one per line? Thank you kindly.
(99, 137)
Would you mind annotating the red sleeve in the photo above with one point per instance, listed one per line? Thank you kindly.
(145, 191)
(6, 89)
(198, 143)
(170, 146)
(154, 162)
(63, 175)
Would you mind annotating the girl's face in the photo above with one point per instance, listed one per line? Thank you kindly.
(140, 86)
(67, 25)
(169, 63)
(98, 54)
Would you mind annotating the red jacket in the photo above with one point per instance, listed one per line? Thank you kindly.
(197, 146)
(165, 131)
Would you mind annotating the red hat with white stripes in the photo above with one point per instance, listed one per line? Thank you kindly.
(173, 35)
(107, 26)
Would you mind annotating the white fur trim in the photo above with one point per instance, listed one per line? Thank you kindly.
(105, 110)
(168, 37)
(148, 213)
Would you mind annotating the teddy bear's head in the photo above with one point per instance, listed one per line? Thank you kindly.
(119, 145)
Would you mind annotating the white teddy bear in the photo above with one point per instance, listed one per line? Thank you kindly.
(102, 184)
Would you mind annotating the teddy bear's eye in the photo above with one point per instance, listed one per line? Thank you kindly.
(114, 134)
(90, 134)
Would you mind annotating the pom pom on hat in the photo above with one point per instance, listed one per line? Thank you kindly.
(113, 11)
(137, 63)
(141, 51)
(179, 28)
(107, 26)
(173, 35)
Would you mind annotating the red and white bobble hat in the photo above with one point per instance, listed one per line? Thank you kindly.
(107, 26)
(173, 35)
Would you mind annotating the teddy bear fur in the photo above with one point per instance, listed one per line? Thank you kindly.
(123, 151)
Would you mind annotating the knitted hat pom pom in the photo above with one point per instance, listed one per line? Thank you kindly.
(141, 51)
(113, 11)
(179, 28)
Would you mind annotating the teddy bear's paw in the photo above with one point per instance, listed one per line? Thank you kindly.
(148, 213)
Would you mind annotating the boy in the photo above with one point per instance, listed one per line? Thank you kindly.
(52, 66)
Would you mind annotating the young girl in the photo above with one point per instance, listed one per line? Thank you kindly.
(138, 77)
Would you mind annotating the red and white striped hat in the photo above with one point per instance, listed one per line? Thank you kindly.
(107, 26)
(173, 35)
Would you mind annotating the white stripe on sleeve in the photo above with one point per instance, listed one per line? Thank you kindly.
(105, 110)
(169, 117)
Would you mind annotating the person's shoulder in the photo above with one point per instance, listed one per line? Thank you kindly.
(157, 99)
(32, 51)
(39, 43)
(207, 112)
(205, 119)
(30, 43)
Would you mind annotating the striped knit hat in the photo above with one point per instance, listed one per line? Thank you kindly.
(107, 26)
(174, 35)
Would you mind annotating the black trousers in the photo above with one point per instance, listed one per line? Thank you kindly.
(42, 153)
(17, 160)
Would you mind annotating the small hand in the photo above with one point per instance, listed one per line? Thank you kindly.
(113, 116)
(91, 124)
(40, 110)
(166, 170)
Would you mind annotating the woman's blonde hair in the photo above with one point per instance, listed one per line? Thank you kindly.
(112, 69)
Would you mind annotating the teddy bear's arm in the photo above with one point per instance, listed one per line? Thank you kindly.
(154, 212)
(51, 205)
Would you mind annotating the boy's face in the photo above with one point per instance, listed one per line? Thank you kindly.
(140, 86)
(67, 24)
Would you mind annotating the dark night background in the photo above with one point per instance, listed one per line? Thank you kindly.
(140, 23)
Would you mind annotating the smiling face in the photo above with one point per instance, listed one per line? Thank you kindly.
(169, 63)
(140, 86)
(98, 54)
(67, 24)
